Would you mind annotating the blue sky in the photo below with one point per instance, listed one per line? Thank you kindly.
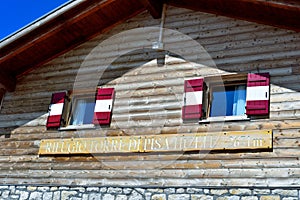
(15, 14)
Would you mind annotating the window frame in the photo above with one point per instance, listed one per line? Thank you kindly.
(211, 82)
(69, 108)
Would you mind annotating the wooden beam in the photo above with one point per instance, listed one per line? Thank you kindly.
(2, 92)
(64, 32)
(280, 13)
(154, 7)
(8, 82)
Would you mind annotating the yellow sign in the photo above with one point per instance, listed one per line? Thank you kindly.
(159, 143)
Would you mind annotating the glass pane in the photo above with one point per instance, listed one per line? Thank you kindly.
(83, 112)
(228, 101)
(89, 112)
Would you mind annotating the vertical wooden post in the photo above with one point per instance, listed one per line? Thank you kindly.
(2, 92)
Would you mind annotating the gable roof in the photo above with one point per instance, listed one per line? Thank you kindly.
(78, 21)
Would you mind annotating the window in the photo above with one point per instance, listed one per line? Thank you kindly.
(228, 100)
(227, 97)
(80, 109)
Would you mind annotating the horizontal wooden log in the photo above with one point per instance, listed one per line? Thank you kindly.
(158, 182)
(40, 164)
(165, 174)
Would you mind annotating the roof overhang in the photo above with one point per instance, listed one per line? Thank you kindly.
(80, 20)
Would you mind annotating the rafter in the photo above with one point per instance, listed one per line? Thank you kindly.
(154, 7)
(279, 13)
(7, 82)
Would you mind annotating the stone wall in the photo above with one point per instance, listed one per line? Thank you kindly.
(118, 193)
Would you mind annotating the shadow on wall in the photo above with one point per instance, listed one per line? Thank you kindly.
(284, 79)
(26, 111)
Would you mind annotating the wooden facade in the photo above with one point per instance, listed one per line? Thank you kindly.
(148, 101)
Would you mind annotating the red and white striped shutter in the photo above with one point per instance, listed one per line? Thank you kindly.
(56, 110)
(103, 107)
(258, 94)
(193, 97)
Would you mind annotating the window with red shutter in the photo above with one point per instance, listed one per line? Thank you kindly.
(258, 94)
(193, 94)
(103, 107)
(56, 110)
(83, 109)
(226, 97)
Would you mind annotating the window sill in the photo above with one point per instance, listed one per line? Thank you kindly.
(77, 127)
(225, 118)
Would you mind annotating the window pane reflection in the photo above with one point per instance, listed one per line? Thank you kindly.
(83, 112)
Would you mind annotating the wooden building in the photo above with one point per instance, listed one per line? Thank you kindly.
(145, 99)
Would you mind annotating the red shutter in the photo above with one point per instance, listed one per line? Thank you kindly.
(56, 110)
(103, 107)
(193, 95)
(258, 94)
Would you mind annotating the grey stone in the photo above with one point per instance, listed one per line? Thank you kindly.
(135, 196)
(65, 195)
(179, 197)
(80, 189)
(159, 197)
(121, 197)
(64, 188)
(290, 198)
(3, 187)
(201, 197)
(180, 190)
(140, 190)
(92, 189)
(95, 196)
(53, 188)
(36, 196)
(31, 188)
(288, 193)
(5, 193)
(85, 197)
(206, 191)
(249, 198)
(12, 189)
(48, 196)
(113, 190)
(75, 198)
(108, 197)
(155, 190)
(43, 189)
(56, 195)
(103, 189)
(14, 196)
(169, 190)
(148, 196)
(23, 195)
(228, 198)
(261, 191)
(127, 190)
(218, 192)
(194, 190)
(240, 192)
(20, 187)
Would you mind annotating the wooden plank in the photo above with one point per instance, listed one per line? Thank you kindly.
(70, 164)
(159, 143)
(264, 173)
(157, 182)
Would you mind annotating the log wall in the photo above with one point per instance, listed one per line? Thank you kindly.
(148, 101)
